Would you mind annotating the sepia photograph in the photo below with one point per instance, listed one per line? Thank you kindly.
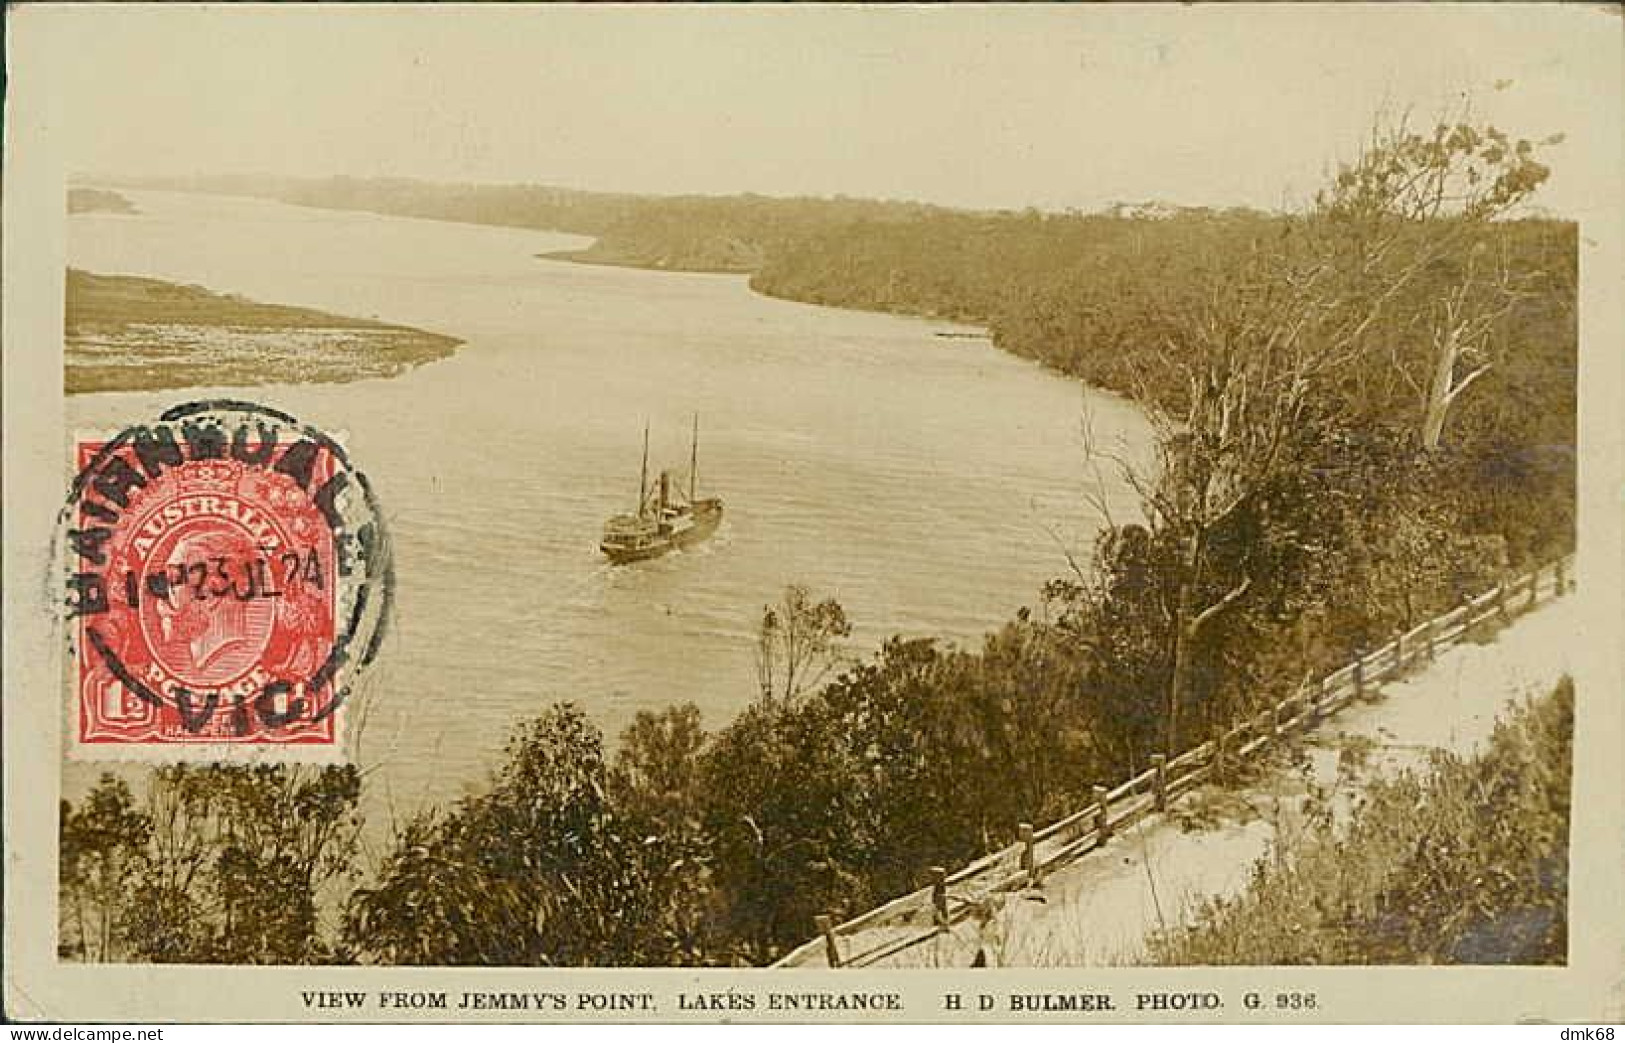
(947, 494)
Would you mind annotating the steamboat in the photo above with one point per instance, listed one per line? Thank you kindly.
(665, 519)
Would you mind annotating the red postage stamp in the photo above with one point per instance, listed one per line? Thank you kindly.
(212, 568)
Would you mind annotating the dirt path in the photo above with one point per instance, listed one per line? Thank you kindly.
(1099, 909)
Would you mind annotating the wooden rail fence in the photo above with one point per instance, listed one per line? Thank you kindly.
(950, 897)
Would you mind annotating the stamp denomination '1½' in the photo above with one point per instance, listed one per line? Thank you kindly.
(228, 576)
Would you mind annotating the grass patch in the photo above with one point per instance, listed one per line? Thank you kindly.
(124, 333)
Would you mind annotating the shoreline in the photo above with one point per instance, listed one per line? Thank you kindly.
(586, 256)
(125, 333)
(965, 329)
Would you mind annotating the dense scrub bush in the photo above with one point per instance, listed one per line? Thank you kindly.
(1464, 862)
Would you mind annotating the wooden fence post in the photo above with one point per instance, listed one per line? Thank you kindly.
(939, 896)
(1501, 601)
(1317, 704)
(1159, 781)
(1221, 754)
(1359, 675)
(1103, 816)
(1029, 853)
(1429, 635)
(1399, 651)
(1534, 588)
(1560, 577)
(826, 927)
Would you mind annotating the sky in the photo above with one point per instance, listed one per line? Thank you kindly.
(1054, 107)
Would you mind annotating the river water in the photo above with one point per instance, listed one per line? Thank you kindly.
(928, 483)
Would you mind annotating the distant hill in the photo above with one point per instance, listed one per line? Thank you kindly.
(675, 233)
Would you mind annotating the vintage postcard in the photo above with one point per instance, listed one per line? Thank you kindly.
(1089, 513)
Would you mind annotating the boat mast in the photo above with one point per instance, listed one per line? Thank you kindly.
(643, 471)
(694, 458)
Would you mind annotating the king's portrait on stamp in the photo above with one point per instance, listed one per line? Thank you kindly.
(848, 513)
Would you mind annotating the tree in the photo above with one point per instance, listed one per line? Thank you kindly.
(504, 877)
(543, 869)
(798, 644)
(241, 855)
(102, 863)
(218, 864)
(656, 786)
(1114, 616)
(1417, 211)
(1244, 356)
(659, 759)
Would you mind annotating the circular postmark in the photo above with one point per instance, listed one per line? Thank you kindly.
(228, 577)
